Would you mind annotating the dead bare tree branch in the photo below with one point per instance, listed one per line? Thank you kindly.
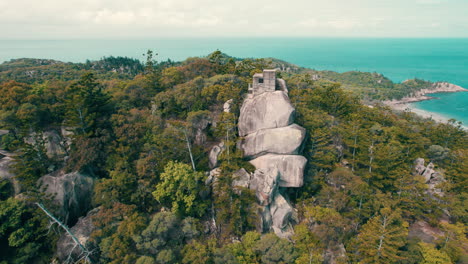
(85, 253)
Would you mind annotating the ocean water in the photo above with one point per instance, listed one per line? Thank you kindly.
(398, 59)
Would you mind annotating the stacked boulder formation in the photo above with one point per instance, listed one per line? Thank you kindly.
(432, 177)
(272, 143)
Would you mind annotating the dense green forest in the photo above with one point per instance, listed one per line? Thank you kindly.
(141, 133)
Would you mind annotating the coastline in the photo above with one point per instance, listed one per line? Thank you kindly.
(405, 104)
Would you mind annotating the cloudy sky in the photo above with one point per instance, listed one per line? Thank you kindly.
(46, 19)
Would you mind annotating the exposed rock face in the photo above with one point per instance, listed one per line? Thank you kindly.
(241, 178)
(72, 192)
(290, 167)
(433, 178)
(227, 106)
(265, 183)
(199, 126)
(55, 143)
(419, 166)
(267, 110)
(6, 166)
(214, 154)
(283, 140)
(273, 143)
(281, 213)
(424, 231)
(82, 230)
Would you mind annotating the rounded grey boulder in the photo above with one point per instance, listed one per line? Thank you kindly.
(72, 192)
(290, 167)
(283, 140)
(267, 110)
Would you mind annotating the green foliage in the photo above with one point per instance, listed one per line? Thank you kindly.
(23, 233)
(131, 123)
(307, 245)
(380, 239)
(275, 250)
(430, 255)
(234, 206)
(180, 189)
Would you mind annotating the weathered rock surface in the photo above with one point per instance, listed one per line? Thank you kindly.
(82, 230)
(290, 167)
(283, 140)
(427, 174)
(214, 154)
(424, 231)
(227, 106)
(267, 110)
(419, 166)
(273, 144)
(432, 177)
(241, 178)
(265, 184)
(72, 192)
(55, 143)
(282, 85)
(281, 212)
(6, 166)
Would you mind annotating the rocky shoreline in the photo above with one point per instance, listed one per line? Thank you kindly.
(404, 103)
(422, 95)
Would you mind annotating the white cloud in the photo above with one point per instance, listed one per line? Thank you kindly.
(149, 18)
(343, 24)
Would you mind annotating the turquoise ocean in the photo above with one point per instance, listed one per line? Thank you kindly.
(398, 59)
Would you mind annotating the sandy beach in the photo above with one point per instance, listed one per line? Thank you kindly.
(405, 105)
(422, 95)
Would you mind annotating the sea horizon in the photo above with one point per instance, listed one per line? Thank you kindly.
(399, 59)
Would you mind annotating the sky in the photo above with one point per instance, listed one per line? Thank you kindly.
(63, 19)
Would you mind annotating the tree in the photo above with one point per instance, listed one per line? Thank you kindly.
(430, 255)
(307, 245)
(454, 241)
(380, 239)
(87, 106)
(275, 250)
(197, 253)
(23, 233)
(180, 189)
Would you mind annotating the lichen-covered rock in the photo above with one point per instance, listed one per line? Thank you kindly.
(214, 154)
(72, 192)
(265, 184)
(283, 140)
(267, 110)
(290, 167)
(82, 230)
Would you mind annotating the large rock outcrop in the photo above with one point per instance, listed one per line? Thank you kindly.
(71, 192)
(433, 178)
(272, 143)
(267, 110)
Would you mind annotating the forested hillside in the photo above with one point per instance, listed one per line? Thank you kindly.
(130, 144)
